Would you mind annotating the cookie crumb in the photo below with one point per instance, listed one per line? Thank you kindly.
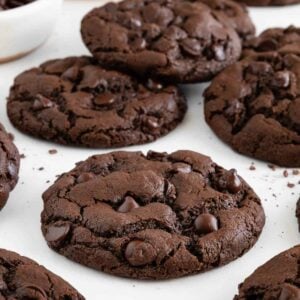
(296, 172)
(52, 151)
(11, 136)
(22, 156)
(41, 168)
(285, 173)
(291, 185)
(272, 167)
(252, 167)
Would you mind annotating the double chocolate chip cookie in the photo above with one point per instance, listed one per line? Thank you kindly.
(151, 217)
(74, 101)
(22, 278)
(9, 165)
(175, 41)
(277, 279)
(268, 2)
(259, 115)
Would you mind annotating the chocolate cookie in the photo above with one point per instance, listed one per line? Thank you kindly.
(268, 2)
(282, 40)
(9, 4)
(177, 41)
(235, 14)
(277, 279)
(22, 278)
(75, 101)
(151, 217)
(9, 165)
(259, 115)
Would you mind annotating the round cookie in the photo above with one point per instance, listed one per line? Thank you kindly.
(235, 14)
(276, 279)
(281, 40)
(157, 216)
(9, 165)
(176, 41)
(22, 278)
(74, 101)
(259, 115)
(268, 2)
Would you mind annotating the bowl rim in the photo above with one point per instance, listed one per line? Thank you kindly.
(26, 8)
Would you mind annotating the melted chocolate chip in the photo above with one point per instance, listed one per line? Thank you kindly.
(140, 253)
(57, 233)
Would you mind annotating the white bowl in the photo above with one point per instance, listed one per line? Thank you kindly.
(25, 28)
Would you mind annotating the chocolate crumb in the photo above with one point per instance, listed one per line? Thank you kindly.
(52, 151)
(285, 173)
(291, 185)
(22, 155)
(296, 172)
(272, 167)
(11, 136)
(252, 167)
(41, 168)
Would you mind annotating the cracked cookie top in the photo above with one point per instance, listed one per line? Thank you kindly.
(259, 115)
(236, 15)
(22, 278)
(177, 41)
(74, 101)
(151, 216)
(277, 279)
(9, 165)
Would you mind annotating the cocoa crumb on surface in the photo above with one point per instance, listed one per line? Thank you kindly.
(291, 185)
(52, 151)
(285, 173)
(272, 167)
(22, 156)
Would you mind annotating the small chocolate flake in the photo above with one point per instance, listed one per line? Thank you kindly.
(52, 151)
(291, 185)
(285, 173)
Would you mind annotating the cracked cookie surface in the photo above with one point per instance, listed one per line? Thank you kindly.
(268, 2)
(176, 41)
(259, 115)
(22, 278)
(9, 165)
(277, 279)
(153, 216)
(236, 15)
(76, 102)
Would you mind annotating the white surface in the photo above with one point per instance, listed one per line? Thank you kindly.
(27, 27)
(20, 219)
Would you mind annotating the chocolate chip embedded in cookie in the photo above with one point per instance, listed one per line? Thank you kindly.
(9, 165)
(259, 115)
(22, 278)
(151, 217)
(235, 14)
(276, 279)
(282, 40)
(268, 2)
(74, 101)
(176, 41)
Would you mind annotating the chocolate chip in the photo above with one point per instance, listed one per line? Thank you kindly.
(140, 253)
(191, 46)
(234, 183)
(128, 205)
(57, 233)
(182, 168)
(12, 169)
(281, 79)
(105, 99)
(42, 102)
(289, 292)
(268, 45)
(71, 73)
(206, 223)
(31, 292)
(84, 177)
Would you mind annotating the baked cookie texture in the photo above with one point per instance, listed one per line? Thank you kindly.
(172, 40)
(234, 14)
(74, 101)
(22, 278)
(153, 216)
(276, 279)
(259, 115)
(268, 2)
(9, 165)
